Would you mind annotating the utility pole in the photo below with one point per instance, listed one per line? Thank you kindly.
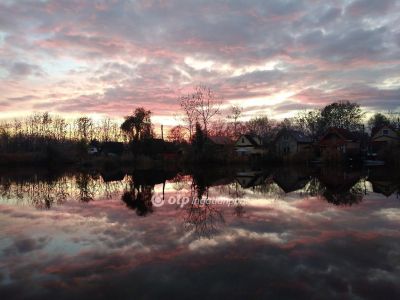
(162, 132)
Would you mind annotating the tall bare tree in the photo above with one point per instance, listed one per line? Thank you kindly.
(84, 128)
(176, 134)
(207, 105)
(236, 112)
(60, 128)
(188, 106)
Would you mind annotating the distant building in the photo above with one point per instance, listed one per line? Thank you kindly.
(383, 137)
(340, 141)
(250, 145)
(93, 150)
(289, 142)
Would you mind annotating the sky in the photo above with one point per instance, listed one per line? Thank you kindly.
(274, 58)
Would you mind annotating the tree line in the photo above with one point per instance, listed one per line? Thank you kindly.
(201, 111)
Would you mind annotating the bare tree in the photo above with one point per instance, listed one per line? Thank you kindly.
(176, 134)
(207, 105)
(84, 128)
(236, 112)
(105, 129)
(60, 128)
(261, 126)
(188, 106)
(45, 124)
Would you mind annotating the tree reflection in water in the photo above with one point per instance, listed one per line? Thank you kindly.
(86, 187)
(39, 192)
(43, 189)
(202, 218)
(138, 198)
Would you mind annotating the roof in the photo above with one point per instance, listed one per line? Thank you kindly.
(342, 133)
(297, 135)
(220, 140)
(252, 138)
(375, 130)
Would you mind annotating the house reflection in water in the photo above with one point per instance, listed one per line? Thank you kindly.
(250, 179)
(291, 179)
(383, 182)
(341, 187)
(135, 188)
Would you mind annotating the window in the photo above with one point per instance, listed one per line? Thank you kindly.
(286, 150)
(385, 132)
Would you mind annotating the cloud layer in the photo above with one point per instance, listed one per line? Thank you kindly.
(273, 57)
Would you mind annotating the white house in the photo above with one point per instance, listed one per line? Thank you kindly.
(249, 145)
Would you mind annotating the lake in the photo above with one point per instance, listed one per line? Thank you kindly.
(277, 233)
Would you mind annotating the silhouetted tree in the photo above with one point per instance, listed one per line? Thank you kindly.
(176, 134)
(188, 106)
(198, 139)
(342, 114)
(138, 125)
(84, 128)
(309, 122)
(236, 112)
(207, 105)
(261, 126)
(378, 120)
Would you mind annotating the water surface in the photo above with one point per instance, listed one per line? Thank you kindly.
(269, 233)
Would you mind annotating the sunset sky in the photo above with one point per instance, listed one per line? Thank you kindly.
(74, 57)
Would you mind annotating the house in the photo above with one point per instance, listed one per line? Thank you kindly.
(289, 142)
(383, 137)
(94, 148)
(340, 141)
(250, 145)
